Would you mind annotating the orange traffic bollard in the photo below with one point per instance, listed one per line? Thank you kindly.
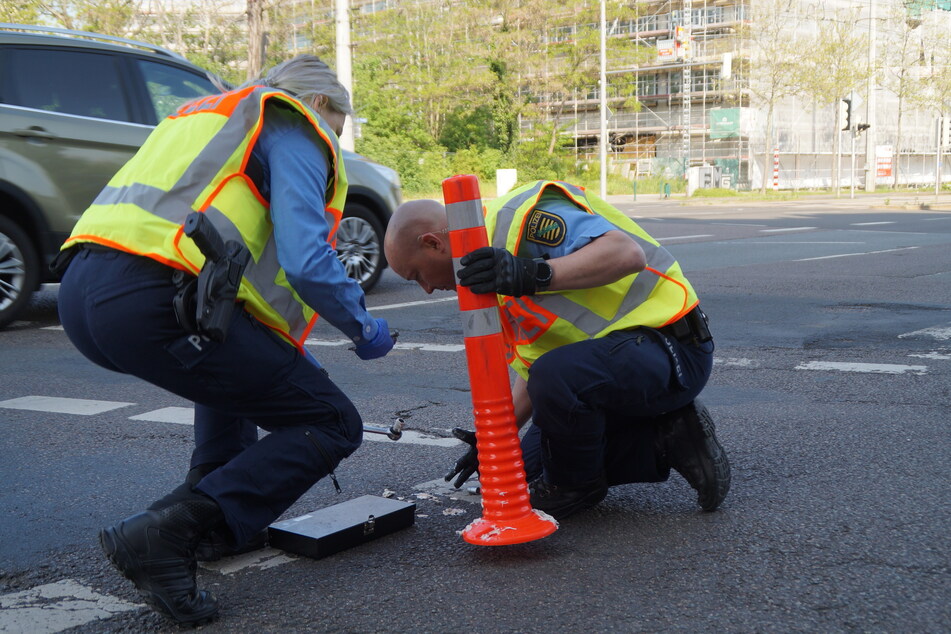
(507, 513)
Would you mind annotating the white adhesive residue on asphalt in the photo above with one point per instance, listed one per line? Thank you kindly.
(941, 333)
(260, 559)
(871, 368)
(55, 607)
(59, 405)
(177, 415)
(453, 511)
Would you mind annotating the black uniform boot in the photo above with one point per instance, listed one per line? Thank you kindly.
(155, 550)
(217, 543)
(562, 501)
(686, 442)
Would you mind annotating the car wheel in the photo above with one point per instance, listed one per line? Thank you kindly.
(360, 245)
(19, 270)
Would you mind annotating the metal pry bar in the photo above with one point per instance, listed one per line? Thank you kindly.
(393, 432)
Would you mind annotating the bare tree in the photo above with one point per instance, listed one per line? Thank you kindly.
(775, 63)
(833, 63)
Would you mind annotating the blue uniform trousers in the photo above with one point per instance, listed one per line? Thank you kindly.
(595, 404)
(116, 308)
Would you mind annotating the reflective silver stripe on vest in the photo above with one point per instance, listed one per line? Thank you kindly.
(465, 215)
(481, 322)
(261, 274)
(176, 204)
(519, 327)
(589, 322)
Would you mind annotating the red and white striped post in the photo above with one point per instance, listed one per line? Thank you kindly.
(507, 513)
(776, 170)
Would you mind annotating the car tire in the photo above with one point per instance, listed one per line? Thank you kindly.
(19, 270)
(360, 245)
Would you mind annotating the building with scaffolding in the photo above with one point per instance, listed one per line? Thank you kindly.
(699, 107)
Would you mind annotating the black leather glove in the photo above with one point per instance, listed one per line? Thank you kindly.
(491, 270)
(467, 464)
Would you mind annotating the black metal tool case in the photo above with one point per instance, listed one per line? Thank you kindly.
(341, 526)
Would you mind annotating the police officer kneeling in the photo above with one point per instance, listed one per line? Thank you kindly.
(604, 331)
(199, 269)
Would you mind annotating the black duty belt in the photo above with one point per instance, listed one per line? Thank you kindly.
(691, 328)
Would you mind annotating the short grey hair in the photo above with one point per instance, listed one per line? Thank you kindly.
(304, 77)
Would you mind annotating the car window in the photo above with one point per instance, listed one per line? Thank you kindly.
(66, 81)
(171, 86)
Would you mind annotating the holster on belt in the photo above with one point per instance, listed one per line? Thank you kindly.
(691, 328)
(204, 305)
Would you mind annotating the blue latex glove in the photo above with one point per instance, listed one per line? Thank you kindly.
(377, 347)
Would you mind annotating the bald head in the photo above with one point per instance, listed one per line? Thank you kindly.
(417, 244)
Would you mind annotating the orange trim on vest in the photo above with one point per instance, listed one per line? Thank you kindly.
(223, 104)
(73, 240)
(684, 308)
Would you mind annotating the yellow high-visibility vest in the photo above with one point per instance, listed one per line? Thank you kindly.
(533, 325)
(195, 160)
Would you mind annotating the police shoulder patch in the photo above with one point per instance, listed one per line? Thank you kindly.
(544, 227)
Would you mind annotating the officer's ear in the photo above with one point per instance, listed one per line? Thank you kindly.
(430, 240)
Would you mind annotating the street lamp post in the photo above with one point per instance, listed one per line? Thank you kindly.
(344, 65)
(603, 98)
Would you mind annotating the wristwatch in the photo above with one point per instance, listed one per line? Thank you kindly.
(543, 274)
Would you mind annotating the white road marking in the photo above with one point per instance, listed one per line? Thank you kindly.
(938, 356)
(425, 347)
(411, 437)
(938, 332)
(186, 416)
(872, 368)
(845, 255)
(177, 415)
(799, 242)
(51, 328)
(55, 607)
(59, 405)
(421, 302)
(701, 235)
(869, 224)
(783, 229)
(735, 362)
(260, 559)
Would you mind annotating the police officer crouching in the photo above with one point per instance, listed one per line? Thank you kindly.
(200, 268)
(604, 331)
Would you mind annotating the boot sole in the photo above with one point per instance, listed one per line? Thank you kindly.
(124, 559)
(581, 504)
(721, 464)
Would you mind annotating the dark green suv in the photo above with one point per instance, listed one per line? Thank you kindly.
(74, 107)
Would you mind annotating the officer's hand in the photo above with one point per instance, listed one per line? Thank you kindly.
(491, 270)
(467, 464)
(381, 343)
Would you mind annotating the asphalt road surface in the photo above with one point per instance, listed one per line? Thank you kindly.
(831, 393)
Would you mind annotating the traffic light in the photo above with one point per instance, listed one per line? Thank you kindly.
(845, 113)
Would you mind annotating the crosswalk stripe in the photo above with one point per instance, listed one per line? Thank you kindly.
(872, 368)
(60, 405)
(55, 607)
(177, 415)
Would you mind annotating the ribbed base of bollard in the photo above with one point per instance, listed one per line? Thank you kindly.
(535, 525)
